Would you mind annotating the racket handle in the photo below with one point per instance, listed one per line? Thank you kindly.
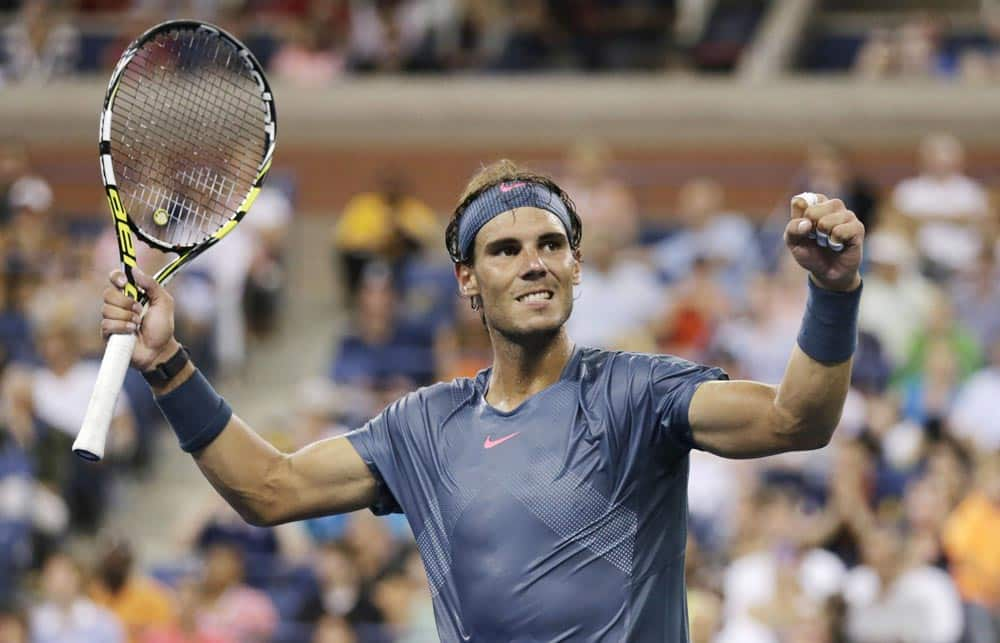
(89, 443)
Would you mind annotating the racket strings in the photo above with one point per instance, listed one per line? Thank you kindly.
(188, 135)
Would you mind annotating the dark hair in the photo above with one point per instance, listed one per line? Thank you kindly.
(503, 171)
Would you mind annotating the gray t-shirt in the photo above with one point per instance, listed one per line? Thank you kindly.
(562, 520)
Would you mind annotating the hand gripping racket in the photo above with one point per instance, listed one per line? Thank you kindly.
(187, 136)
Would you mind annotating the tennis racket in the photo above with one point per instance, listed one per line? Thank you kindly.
(187, 135)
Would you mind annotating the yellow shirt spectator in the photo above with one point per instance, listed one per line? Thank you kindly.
(972, 541)
(140, 604)
(371, 222)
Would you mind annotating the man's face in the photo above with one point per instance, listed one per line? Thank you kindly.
(524, 271)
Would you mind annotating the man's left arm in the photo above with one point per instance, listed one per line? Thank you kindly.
(743, 419)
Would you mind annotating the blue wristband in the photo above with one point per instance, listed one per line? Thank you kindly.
(829, 332)
(196, 412)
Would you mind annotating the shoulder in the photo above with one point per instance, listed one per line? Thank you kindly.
(434, 401)
(596, 363)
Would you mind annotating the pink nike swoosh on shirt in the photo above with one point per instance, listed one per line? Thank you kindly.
(489, 444)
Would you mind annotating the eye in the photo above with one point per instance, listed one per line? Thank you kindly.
(552, 245)
(507, 251)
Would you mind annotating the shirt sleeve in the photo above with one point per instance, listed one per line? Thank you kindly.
(374, 443)
(672, 384)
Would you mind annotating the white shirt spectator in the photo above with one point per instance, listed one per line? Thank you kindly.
(934, 198)
(61, 400)
(894, 309)
(974, 414)
(609, 305)
(751, 580)
(921, 606)
(81, 622)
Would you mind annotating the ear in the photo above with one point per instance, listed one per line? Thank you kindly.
(468, 285)
(577, 270)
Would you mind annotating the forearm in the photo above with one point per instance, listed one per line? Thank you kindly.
(815, 384)
(264, 485)
(811, 398)
(237, 461)
(242, 467)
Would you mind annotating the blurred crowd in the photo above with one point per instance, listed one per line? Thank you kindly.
(315, 42)
(920, 47)
(888, 534)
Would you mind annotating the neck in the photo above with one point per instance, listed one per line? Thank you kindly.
(524, 367)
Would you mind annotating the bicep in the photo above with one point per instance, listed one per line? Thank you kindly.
(326, 477)
(738, 419)
(269, 487)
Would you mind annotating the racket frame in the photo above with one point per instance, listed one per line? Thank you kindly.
(90, 442)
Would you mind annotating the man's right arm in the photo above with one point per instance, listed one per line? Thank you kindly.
(263, 484)
(268, 487)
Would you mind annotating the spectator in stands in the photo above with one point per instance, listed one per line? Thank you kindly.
(530, 42)
(17, 341)
(375, 544)
(394, 36)
(476, 34)
(942, 326)
(981, 64)
(976, 296)
(463, 348)
(13, 165)
(380, 351)
(384, 225)
(38, 45)
(947, 212)
(140, 603)
(891, 600)
(929, 386)
(13, 626)
(601, 198)
(876, 59)
(65, 613)
(709, 231)
(970, 537)
(333, 629)
(692, 312)
(617, 295)
(898, 299)
(261, 548)
(761, 339)
(777, 566)
(32, 230)
(229, 606)
(46, 406)
(343, 592)
(828, 170)
(974, 413)
(399, 598)
(17, 491)
(187, 626)
(267, 275)
(312, 55)
(913, 50)
(613, 35)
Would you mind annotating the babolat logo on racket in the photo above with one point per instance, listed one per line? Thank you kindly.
(125, 244)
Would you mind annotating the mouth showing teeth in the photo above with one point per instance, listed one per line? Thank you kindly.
(541, 295)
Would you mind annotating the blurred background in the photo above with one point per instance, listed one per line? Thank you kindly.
(681, 128)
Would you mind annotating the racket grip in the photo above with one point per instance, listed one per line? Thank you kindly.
(89, 443)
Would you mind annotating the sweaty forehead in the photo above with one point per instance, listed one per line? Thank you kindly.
(520, 223)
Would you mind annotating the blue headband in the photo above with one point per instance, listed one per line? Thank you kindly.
(503, 198)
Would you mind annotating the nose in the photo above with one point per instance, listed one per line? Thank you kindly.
(534, 267)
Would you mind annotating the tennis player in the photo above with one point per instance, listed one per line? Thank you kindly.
(547, 494)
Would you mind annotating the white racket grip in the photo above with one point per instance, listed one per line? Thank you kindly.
(89, 443)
